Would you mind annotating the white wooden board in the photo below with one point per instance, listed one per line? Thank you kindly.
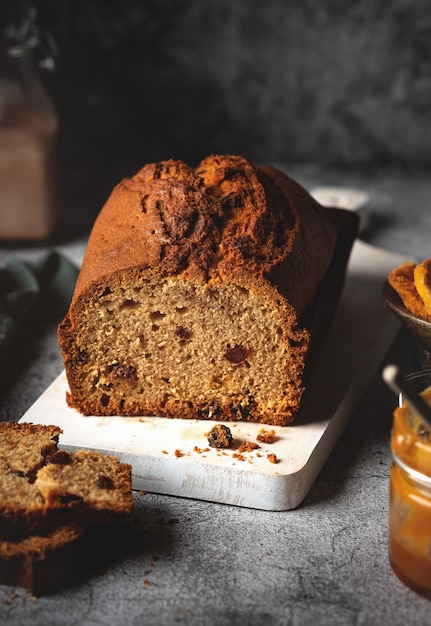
(172, 456)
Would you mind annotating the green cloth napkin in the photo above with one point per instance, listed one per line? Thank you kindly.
(41, 287)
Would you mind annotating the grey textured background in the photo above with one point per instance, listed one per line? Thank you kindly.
(277, 81)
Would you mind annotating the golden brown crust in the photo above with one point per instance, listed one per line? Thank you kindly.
(224, 218)
(311, 243)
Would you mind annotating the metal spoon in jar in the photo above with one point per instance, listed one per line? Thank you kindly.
(400, 385)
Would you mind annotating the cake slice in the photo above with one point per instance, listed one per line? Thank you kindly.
(201, 294)
(41, 485)
(87, 484)
(45, 562)
(61, 514)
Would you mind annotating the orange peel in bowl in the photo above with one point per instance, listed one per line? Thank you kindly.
(422, 280)
(403, 280)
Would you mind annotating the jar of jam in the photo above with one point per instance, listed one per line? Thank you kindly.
(410, 493)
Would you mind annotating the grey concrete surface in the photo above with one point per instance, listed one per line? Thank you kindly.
(197, 563)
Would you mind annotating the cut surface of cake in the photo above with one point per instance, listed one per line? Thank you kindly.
(199, 292)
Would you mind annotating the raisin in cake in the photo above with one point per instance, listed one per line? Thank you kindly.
(198, 294)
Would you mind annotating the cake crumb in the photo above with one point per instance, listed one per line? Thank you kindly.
(248, 446)
(220, 436)
(272, 458)
(164, 452)
(146, 582)
(266, 436)
(178, 453)
(239, 456)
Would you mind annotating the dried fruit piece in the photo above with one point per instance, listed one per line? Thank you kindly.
(61, 457)
(123, 372)
(220, 436)
(422, 280)
(237, 354)
(183, 333)
(105, 482)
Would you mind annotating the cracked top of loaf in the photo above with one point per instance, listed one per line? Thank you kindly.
(224, 218)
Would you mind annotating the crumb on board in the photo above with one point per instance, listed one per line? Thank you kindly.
(220, 437)
(248, 446)
(200, 450)
(266, 436)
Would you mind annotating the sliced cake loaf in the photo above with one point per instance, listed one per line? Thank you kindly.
(200, 292)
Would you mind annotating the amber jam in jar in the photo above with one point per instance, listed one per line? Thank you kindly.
(410, 494)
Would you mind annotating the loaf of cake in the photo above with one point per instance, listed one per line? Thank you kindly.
(203, 294)
(61, 514)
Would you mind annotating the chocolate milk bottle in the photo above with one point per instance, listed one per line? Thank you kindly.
(28, 130)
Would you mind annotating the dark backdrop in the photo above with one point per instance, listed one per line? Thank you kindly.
(298, 81)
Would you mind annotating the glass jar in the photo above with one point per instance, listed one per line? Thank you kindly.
(28, 129)
(410, 493)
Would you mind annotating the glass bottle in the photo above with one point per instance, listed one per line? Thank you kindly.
(28, 129)
(410, 494)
